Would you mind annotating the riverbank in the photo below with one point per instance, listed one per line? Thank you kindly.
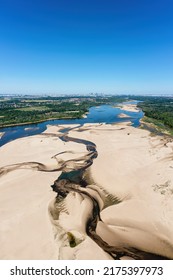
(102, 114)
(37, 122)
(155, 126)
(132, 166)
(129, 107)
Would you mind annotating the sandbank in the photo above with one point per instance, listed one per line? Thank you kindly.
(128, 107)
(122, 115)
(1, 134)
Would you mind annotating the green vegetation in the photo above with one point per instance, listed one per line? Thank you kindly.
(155, 126)
(158, 111)
(20, 110)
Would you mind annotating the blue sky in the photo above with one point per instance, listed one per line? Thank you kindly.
(72, 46)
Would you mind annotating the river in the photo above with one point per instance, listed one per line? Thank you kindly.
(101, 114)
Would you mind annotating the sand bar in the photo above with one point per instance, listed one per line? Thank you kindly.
(122, 115)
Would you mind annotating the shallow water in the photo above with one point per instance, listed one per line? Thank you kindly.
(101, 114)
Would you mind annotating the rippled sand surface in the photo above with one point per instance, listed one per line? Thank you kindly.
(131, 180)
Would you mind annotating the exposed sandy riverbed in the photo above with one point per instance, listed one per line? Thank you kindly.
(128, 107)
(132, 165)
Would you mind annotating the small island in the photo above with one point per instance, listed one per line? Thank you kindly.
(122, 115)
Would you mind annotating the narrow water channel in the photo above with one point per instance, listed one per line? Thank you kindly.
(74, 181)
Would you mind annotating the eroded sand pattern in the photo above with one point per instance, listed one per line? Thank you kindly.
(114, 187)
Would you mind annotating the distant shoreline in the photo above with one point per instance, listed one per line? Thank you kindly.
(35, 122)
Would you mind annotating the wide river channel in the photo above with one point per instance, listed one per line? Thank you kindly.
(101, 114)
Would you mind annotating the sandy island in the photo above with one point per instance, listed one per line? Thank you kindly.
(1, 134)
(132, 166)
(122, 115)
(128, 107)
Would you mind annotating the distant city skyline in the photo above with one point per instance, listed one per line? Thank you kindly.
(80, 47)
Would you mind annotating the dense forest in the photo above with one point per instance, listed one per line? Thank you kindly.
(158, 108)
